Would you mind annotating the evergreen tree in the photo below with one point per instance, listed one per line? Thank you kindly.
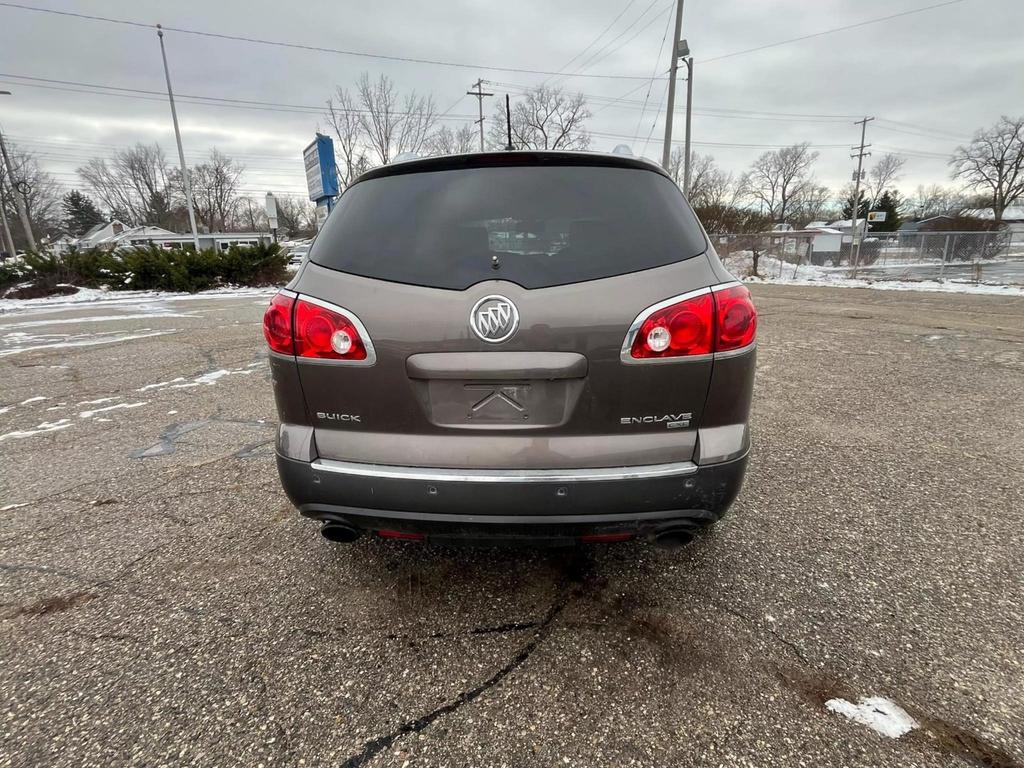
(848, 207)
(80, 213)
(889, 202)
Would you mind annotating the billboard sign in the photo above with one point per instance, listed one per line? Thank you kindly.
(321, 171)
(874, 216)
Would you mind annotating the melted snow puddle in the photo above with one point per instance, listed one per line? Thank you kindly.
(877, 713)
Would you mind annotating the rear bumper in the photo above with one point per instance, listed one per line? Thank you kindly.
(549, 504)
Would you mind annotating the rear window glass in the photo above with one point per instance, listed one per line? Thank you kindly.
(535, 226)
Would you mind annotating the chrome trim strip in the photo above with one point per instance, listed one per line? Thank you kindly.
(443, 475)
(371, 353)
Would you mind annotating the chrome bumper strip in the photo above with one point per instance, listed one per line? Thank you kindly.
(444, 475)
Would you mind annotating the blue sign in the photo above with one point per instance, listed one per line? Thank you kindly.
(321, 171)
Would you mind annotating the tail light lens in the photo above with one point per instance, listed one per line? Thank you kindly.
(681, 329)
(735, 319)
(308, 328)
(277, 324)
(326, 334)
(717, 321)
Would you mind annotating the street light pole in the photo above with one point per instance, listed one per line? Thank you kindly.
(689, 105)
(177, 137)
(666, 150)
(19, 199)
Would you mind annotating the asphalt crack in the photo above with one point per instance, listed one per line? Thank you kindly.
(543, 629)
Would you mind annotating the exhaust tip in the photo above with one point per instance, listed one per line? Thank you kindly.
(673, 538)
(339, 533)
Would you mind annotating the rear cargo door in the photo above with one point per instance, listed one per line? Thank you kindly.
(497, 301)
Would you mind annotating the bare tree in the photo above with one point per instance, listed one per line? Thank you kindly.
(993, 163)
(42, 196)
(709, 184)
(344, 117)
(886, 170)
(813, 204)
(215, 190)
(445, 141)
(393, 124)
(296, 216)
(134, 183)
(934, 200)
(544, 118)
(780, 177)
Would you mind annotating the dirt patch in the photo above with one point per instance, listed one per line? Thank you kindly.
(934, 732)
(55, 604)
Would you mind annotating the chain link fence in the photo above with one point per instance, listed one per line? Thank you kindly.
(976, 257)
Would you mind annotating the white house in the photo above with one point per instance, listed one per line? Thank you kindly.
(100, 232)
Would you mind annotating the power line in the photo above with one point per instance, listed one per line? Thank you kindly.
(865, 23)
(307, 47)
(248, 103)
(650, 85)
(601, 54)
(603, 32)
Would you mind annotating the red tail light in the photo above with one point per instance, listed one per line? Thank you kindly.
(735, 320)
(307, 327)
(716, 320)
(277, 324)
(326, 334)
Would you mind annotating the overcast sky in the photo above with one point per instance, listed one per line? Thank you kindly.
(931, 78)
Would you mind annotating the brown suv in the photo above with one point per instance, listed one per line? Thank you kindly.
(537, 345)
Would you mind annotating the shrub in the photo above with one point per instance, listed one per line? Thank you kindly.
(149, 268)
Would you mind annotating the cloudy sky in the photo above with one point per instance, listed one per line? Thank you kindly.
(930, 78)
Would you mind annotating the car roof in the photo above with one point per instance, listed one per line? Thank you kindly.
(512, 158)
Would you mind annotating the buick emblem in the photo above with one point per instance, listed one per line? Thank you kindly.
(494, 319)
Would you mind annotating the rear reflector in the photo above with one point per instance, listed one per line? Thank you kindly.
(311, 328)
(717, 320)
(604, 538)
(386, 534)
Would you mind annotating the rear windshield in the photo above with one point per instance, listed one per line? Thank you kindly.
(535, 226)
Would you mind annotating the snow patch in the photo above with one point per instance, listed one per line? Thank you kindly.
(7, 507)
(46, 426)
(36, 399)
(62, 342)
(877, 713)
(100, 401)
(90, 414)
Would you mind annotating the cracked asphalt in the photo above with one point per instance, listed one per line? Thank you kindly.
(161, 603)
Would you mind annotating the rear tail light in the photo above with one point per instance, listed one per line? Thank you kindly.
(277, 324)
(716, 320)
(735, 319)
(310, 328)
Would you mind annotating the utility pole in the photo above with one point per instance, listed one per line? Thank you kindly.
(177, 137)
(480, 93)
(8, 237)
(666, 150)
(860, 154)
(19, 197)
(686, 144)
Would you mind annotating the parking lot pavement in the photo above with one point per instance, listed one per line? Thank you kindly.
(163, 604)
